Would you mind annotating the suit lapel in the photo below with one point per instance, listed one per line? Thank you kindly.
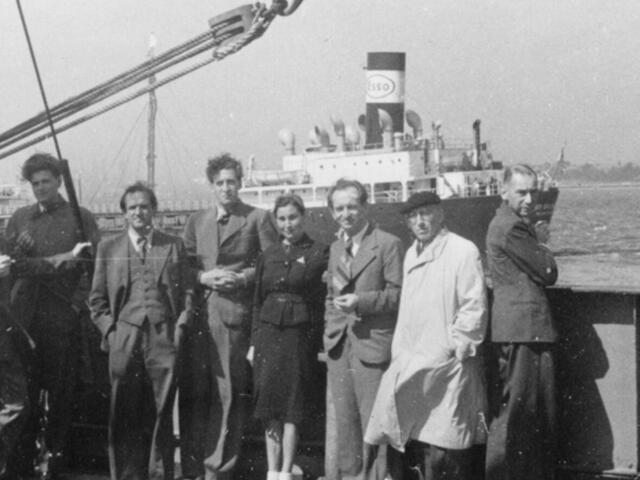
(159, 254)
(120, 258)
(366, 253)
(235, 223)
(209, 238)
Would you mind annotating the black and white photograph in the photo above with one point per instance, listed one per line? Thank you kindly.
(319, 240)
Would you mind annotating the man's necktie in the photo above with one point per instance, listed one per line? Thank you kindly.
(224, 218)
(342, 276)
(142, 248)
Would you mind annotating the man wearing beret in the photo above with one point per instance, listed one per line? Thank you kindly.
(521, 440)
(432, 398)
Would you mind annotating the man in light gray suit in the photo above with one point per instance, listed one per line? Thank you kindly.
(363, 292)
(223, 244)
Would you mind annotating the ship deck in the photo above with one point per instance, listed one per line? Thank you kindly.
(598, 369)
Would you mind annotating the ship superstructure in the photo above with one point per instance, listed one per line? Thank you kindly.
(391, 163)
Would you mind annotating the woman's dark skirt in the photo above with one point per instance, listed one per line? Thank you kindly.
(281, 372)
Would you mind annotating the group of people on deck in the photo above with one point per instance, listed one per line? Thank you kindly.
(244, 301)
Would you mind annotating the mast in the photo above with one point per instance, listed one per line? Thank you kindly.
(151, 128)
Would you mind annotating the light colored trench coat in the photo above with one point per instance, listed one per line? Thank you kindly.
(434, 390)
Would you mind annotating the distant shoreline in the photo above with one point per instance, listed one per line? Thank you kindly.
(576, 186)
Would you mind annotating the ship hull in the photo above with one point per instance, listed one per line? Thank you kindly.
(468, 217)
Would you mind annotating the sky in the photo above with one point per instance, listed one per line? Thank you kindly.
(539, 74)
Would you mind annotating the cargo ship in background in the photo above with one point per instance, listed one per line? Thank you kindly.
(392, 164)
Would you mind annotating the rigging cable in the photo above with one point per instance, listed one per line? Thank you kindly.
(120, 149)
(262, 19)
(171, 138)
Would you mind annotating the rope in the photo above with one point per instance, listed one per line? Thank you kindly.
(109, 165)
(261, 21)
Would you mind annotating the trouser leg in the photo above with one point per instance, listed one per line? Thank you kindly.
(521, 437)
(331, 449)
(160, 356)
(229, 400)
(349, 434)
(422, 461)
(448, 464)
(366, 379)
(52, 368)
(547, 416)
(195, 399)
(59, 379)
(13, 398)
(132, 416)
(21, 459)
(354, 385)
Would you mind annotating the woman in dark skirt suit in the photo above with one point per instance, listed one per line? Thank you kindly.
(288, 311)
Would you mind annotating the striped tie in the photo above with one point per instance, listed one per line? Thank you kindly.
(142, 248)
(342, 276)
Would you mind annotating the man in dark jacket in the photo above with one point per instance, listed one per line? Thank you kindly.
(521, 437)
(45, 245)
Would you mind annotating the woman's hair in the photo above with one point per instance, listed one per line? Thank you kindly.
(289, 199)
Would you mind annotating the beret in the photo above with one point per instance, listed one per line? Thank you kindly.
(419, 199)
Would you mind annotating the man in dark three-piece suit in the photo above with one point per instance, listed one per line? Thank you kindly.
(140, 286)
(223, 244)
(363, 292)
(521, 439)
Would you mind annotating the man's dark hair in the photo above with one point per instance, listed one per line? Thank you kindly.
(520, 169)
(38, 162)
(139, 187)
(224, 161)
(289, 199)
(343, 184)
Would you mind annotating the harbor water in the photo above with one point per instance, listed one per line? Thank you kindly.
(595, 233)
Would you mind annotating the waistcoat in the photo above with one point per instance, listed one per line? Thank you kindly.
(146, 300)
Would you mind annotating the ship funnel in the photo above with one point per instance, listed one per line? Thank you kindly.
(476, 142)
(385, 92)
(386, 127)
(352, 137)
(319, 137)
(415, 122)
(338, 129)
(288, 140)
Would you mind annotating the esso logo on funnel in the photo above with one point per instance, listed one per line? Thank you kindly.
(385, 87)
(379, 86)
